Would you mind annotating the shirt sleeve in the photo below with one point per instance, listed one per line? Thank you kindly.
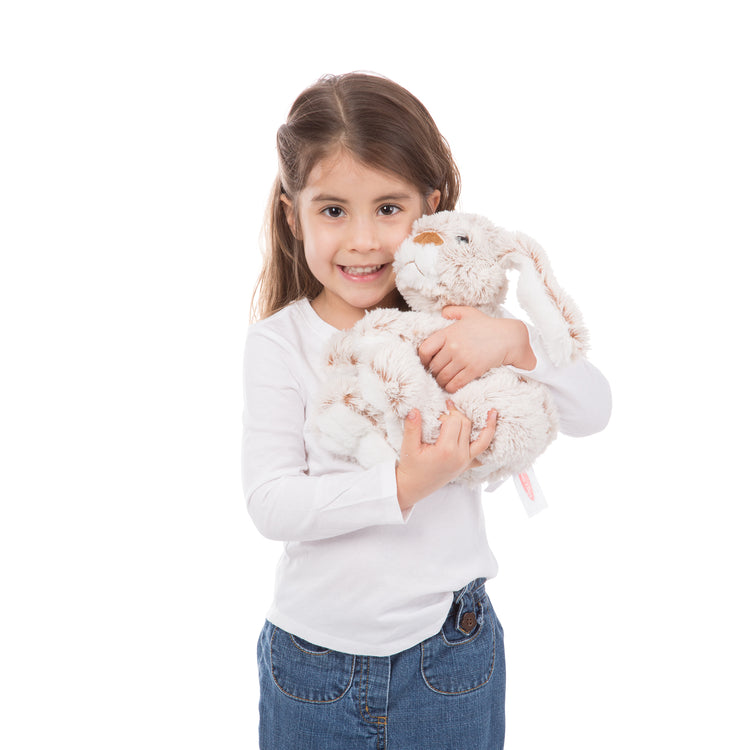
(581, 393)
(283, 499)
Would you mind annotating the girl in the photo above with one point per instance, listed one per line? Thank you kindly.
(380, 633)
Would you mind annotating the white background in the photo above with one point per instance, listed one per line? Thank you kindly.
(136, 153)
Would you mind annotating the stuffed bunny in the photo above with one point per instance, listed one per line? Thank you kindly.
(374, 376)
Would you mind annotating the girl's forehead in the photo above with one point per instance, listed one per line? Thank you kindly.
(341, 172)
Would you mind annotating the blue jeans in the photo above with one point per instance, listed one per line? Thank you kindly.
(446, 693)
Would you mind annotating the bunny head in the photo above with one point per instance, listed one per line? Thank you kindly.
(453, 258)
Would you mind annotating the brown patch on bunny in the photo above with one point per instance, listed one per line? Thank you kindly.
(428, 238)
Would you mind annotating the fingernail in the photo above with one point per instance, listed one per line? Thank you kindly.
(412, 414)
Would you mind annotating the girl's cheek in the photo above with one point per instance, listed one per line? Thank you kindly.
(402, 233)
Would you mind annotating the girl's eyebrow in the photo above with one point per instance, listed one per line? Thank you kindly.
(383, 199)
(394, 197)
(327, 199)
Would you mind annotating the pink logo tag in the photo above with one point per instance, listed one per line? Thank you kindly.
(526, 482)
(528, 489)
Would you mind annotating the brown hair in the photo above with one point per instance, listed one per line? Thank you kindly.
(383, 126)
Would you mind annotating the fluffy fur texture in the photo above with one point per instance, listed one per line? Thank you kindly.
(374, 376)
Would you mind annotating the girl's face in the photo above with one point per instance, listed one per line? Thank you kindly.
(351, 219)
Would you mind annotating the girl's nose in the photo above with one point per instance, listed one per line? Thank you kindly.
(364, 236)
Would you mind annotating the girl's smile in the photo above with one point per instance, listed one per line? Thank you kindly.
(361, 273)
(351, 219)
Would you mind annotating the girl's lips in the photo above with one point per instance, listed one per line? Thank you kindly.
(363, 273)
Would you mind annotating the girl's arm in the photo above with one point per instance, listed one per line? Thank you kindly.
(477, 342)
(290, 500)
(284, 500)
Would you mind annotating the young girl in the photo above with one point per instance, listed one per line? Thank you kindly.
(380, 633)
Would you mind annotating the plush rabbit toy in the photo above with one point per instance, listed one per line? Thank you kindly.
(374, 376)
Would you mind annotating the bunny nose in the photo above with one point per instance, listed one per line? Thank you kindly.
(428, 238)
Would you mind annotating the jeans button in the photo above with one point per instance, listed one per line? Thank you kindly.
(468, 622)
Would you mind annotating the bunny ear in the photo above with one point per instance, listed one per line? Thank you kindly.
(552, 311)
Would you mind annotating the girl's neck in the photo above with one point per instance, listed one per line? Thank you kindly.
(341, 315)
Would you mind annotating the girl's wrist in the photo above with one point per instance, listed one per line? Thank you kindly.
(523, 355)
(411, 486)
(408, 495)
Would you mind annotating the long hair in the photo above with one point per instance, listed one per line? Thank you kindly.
(381, 125)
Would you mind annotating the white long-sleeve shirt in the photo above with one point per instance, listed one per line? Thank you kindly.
(358, 575)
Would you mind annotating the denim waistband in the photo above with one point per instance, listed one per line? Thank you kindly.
(474, 588)
(468, 606)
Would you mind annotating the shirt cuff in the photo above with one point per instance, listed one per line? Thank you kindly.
(389, 489)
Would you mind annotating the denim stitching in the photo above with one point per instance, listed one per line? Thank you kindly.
(380, 721)
(296, 697)
(469, 690)
(307, 651)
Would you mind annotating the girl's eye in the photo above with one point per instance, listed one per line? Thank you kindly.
(389, 210)
(334, 212)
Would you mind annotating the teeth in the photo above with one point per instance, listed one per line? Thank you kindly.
(361, 270)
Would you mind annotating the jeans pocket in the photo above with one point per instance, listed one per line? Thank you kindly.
(308, 672)
(456, 662)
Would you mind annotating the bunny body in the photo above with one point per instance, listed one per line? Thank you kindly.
(374, 376)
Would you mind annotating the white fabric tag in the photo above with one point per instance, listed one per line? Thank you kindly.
(530, 492)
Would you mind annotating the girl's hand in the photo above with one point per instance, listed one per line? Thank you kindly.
(474, 344)
(424, 468)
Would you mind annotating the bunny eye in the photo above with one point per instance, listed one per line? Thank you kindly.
(462, 238)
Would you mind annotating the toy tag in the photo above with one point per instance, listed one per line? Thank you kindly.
(530, 492)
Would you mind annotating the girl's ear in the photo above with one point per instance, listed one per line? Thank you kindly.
(433, 199)
(289, 212)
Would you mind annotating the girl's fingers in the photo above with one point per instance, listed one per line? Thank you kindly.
(449, 373)
(455, 426)
(458, 380)
(485, 436)
(438, 362)
(456, 312)
(450, 429)
(431, 346)
(412, 440)
(465, 421)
